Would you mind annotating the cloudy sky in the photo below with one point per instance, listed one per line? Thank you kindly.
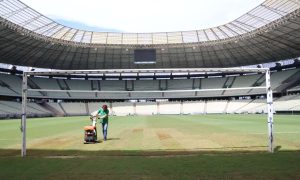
(143, 15)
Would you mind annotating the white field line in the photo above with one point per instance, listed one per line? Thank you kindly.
(10, 139)
(278, 133)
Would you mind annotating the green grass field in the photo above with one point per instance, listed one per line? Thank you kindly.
(153, 147)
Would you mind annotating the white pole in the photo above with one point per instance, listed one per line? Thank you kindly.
(181, 107)
(103, 72)
(23, 124)
(270, 111)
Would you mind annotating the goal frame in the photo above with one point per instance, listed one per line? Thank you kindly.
(266, 71)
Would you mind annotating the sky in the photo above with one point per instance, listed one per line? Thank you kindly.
(142, 15)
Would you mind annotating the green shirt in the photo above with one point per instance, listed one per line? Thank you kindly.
(102, 112)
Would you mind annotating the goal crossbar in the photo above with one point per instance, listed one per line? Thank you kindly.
(155, 91)
(170, 70)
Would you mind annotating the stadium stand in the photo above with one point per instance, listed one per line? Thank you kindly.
(147, 108)
(72, 109)
(255, 106)
(294, 89)
(10, 85)
(241, 81)
(112, 85)
(286, 103)
(169, 108)
(123, 108)
(235, 105)
(83, 85)
(280, 76)
(283, 81)
(213, 107)
(11, 109)
(267, 33)
(93, 106)
(193, 107)
(212, 83)
(59, 107)
(50, 44)
(183, 84)
(49, 83)
(142, 85)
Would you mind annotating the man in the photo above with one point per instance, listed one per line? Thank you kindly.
(103, 115)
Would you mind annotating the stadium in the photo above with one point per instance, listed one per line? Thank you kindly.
(195, 104)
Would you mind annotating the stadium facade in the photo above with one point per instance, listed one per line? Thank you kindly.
(268, 33)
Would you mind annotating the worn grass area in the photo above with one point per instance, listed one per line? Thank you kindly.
(188, 133)
(153, 147)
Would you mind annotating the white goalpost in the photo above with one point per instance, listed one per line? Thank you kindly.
(266, 71)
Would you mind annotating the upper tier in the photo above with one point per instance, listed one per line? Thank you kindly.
(268, 33)
(265, 14)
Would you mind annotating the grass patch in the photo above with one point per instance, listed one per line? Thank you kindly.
(153, 147)
(282, 165)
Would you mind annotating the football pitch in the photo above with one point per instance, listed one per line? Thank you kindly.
(153, 147)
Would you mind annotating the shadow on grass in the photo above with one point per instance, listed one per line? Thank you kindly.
(113, 139)
(277, 148)
(206, 164)
(149, 153)
(101, 141)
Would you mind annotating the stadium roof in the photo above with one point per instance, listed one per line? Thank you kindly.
(269, 32)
